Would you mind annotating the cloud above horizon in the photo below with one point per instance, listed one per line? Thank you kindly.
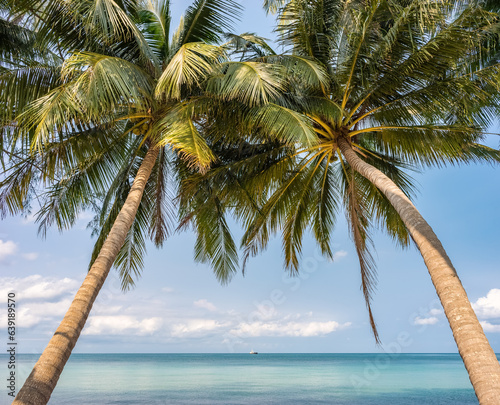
(121, 325)
(425, 321)
(339, 254)
(205, 304)
(46, 299)
(293, 329)
(36, 287)
(488, 327)
(488, 307)
(7, 249)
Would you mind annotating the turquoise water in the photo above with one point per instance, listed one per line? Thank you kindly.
(364, 379)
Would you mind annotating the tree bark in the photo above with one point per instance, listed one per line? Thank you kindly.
(478, 356)
(43, 378)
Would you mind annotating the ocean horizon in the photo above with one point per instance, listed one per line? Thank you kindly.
(265, 378)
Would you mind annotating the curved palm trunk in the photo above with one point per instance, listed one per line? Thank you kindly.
(478, 356)
(43, 378)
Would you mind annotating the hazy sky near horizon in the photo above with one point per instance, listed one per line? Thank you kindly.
(178, 306)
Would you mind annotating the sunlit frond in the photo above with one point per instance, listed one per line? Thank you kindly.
(282, 124)
(188, 67)
(249, 82)
(24, 84)
(206, 21)
(113, 24)
(309, 73)
(105, 84)
(51, 114)
(180, 132)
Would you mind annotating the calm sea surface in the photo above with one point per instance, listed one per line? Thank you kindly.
(364, 379)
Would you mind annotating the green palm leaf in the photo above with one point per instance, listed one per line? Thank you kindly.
(206, 21)
(191, 65)
(180, 132)
(104, 83)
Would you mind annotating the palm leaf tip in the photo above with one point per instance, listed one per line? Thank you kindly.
(283, 124)
(191, 65)
(215, 243)
(182, 134)
(207, 21)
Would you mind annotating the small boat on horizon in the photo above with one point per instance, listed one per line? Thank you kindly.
(252, 352)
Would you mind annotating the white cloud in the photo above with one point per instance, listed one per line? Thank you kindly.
(167, 289)
(296, 329)
(121, 325)
(197, 327)
(7, 249)
(46, 299)
(425, 321)
(435, 312)
(205, 304)
(10, 248)
(488, 327)
(34, 313)
(36, 287)
(42, 312)
(339, 254)
(488, 307)
(48, 288)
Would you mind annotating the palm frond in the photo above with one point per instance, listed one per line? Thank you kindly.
(51, 114)
(22, 85)
(18, 185)
(282, 124)
(358, 219)
(163, 215)
(214, 242)
(248, 45)
(107, 84)
(155, 18)
(129, 260)
(272, 6)
(327, 203)
(179, 131)
(206, 21)
(82, 180)
(191, 65)
(307, 71)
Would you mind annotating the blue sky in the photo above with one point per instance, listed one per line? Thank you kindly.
(178, 306)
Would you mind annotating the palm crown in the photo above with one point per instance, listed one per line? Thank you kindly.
(406, 84)
(122, 84)
(410, 84)
(102, 116)
(399, 83)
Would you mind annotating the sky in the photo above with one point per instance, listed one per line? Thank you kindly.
(179, 307)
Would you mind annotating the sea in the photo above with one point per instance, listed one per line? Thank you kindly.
(361, 379)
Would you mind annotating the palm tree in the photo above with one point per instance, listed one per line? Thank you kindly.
(411, 84)
(117, 101)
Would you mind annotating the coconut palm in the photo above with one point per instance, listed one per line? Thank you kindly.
(411, 84)
(104, 119)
